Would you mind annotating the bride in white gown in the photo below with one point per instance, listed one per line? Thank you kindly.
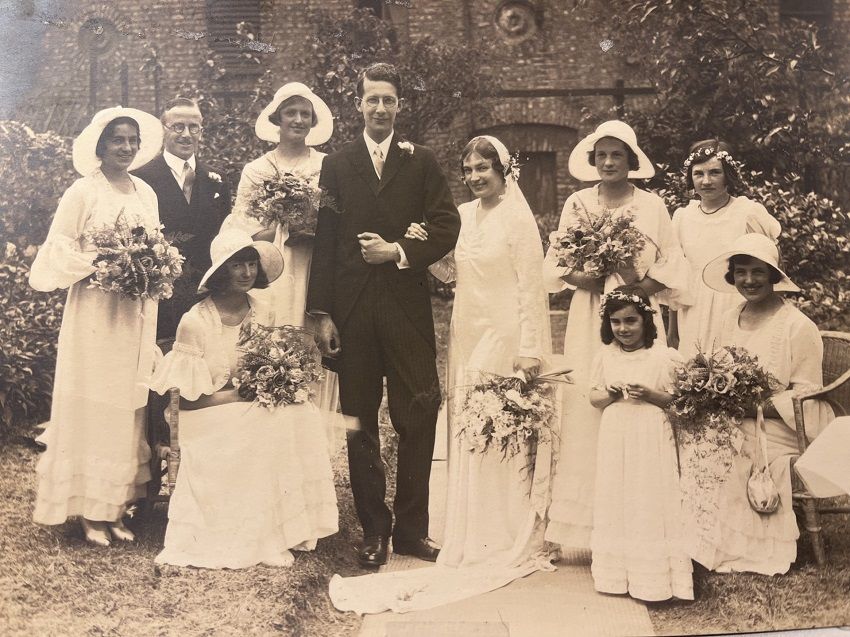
(496, 507)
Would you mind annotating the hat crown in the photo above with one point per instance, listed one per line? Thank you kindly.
(227, 243)
(758, 246)
(619, 130)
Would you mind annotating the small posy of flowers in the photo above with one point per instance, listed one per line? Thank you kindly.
(507, 414)
(133, 260)
(277, 365)
(287, 199)
(406, 147)
(598, 246)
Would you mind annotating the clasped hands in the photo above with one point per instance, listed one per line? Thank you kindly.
(375, 250)
(625, 391)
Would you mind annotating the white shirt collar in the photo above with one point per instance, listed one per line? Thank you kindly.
(176, 164)
(371, 144)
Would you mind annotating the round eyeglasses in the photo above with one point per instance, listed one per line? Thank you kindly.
(179, 127)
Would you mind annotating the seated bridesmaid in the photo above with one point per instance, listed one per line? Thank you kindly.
(788, 345)
(253, 482)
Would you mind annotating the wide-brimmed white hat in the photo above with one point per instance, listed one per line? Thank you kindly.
(582, 170)
(754, 245)
(319, 134)
(229, 242)
(150, 132)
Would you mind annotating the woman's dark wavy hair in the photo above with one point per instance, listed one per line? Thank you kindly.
(220, 279)
(634, 162)
(734, 182)
(650, 332)
(274, 118)
(109, 131)
(484, 148)
(743, 259)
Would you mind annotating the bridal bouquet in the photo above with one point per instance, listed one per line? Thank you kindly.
(277, 365)
(508, 413)
(286, 199)
(598, 246)
(712, 392)
(134, 261)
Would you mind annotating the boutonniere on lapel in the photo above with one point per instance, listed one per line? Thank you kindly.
(214, 177)
(406, 147)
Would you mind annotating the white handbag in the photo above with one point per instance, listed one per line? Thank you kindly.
(761, 489)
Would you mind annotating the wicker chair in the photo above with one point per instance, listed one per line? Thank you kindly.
(836, 392)
(163, 425)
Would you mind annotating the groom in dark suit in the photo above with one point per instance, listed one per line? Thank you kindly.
(193, 202)
(368, 289)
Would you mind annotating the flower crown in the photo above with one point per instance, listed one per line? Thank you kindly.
(699, 156)
(616, 295)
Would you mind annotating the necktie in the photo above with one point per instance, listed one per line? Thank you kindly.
(379, 160)
(188, 181)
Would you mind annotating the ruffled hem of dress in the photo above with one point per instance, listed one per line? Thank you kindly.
(104, 506)
(281, 558)
(672, 578)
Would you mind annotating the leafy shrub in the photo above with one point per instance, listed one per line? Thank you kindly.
(29, 330)
(814, 243)
(35, 171)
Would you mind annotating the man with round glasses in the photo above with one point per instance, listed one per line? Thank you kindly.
(193, 201)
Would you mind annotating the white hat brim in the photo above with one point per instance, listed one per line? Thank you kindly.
(150, 131)
(271, 261)
(583, 171)
(319, 134)
(714, 272)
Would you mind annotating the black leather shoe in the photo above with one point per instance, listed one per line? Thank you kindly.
(373, 552)
(424, 548)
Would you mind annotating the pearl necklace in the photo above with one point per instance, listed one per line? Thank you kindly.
(702, 210)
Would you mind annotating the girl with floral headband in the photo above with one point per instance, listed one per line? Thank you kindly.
(704, 228)
(635, 542)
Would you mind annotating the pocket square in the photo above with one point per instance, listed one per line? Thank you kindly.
(216, 195)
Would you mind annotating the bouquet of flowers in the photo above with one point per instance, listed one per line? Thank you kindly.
(508, 413)
(711, 395)
(134, 261)
(718, 386)
(277, 365)
(598, 246)
(287, 199)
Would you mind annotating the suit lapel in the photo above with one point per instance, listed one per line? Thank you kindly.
(362, 163)
(393, 163)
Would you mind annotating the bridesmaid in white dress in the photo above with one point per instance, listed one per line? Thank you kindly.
(296, 120)
(611, 155)
(253, 482)
(96, 458)
(496, 508)
(704, 228)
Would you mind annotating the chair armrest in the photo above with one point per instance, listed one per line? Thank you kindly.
(799, 399)
(173, 419)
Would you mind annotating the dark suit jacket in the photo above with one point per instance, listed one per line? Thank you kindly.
(412, 189)
(190, 226)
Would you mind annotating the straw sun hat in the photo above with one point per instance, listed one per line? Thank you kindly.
(582, 170)
(319, 134)
(229, 242)
(753, 245)
(150, 132)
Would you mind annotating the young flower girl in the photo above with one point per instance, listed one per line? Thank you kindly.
(636, 541)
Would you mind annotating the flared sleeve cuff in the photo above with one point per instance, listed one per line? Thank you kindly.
(59, 264)
(239, 221)
(185, 368)
(672, 270)
(444, 269)
(553, 274)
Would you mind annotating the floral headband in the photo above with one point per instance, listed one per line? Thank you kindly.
(699, 156)
(512, 167)
(616, 295)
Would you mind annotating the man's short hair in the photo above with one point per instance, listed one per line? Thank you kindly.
(379, 72)
(179, 102)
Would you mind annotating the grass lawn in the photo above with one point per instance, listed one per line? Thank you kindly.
(53, 583)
